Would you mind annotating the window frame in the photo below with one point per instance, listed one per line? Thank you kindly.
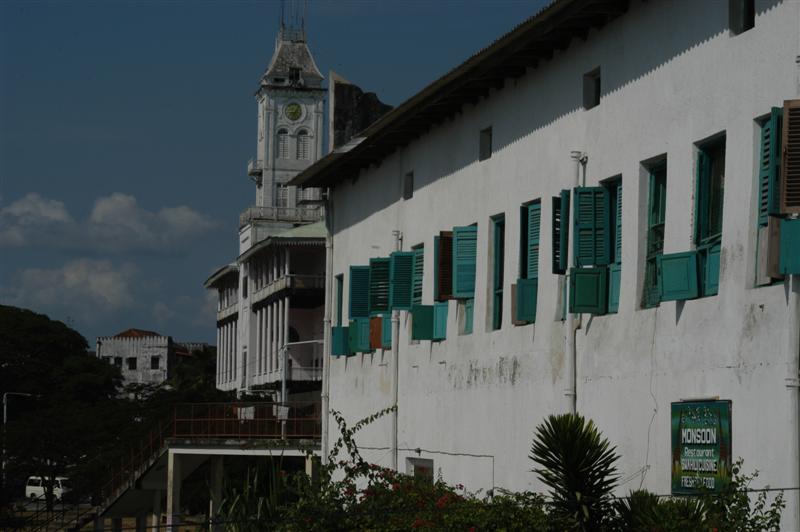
(498, 223)
(655, 228)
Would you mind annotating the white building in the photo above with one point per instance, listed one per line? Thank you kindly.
(144, 357)
(661, 113)
(271, 299)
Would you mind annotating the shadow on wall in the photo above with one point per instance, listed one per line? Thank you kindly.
(554, 92)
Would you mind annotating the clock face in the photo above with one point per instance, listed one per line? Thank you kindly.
(293, 111)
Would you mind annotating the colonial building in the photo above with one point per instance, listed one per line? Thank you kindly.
(144, 357)
(597, 213)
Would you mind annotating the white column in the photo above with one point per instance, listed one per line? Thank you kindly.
(235, 357)
(264, 340)
(174, 476)
(216, 362)
(228, 352)
(286, 307)
(280, 334)
(257, 353)
(274, 315)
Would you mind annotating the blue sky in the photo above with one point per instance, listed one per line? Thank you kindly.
(125, 130)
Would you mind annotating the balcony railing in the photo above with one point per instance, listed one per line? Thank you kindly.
(297, 281)
(254, 167)
(309, 196)
(280, 214)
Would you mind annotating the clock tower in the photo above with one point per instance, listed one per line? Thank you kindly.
(290, 100)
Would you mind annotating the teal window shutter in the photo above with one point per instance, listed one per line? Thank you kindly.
(422, 322)
(340, 341)
(769, 166)
(656, 218)
(709, 258)
(378, 286)
(588, 290)
(615, 268)
(386, 331)
(401, 273)
(591, 245)
(359, 292)
(418, 271)
(469, 314)
(560, 232)
(527, 293)
(789, 261)
(677, 276)
(440, 320)
(534, 219)
(465, 249)
(436, 268)
(359, 335)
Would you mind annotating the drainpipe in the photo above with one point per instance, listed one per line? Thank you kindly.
(793, 382)
(571, 352)
(398, 246)
(326, 328)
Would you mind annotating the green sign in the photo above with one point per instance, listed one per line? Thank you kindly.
(701, 446)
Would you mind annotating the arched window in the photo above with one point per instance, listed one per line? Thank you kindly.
(302, 144)
(283, 144)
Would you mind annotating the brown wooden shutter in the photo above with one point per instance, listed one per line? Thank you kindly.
(375, 332)
(790, 162)
(444, 266)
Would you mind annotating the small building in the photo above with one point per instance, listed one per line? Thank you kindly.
(144, 357)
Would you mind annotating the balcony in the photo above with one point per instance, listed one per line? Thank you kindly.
(309, 196)
(255, 167)
(286, 282)
(280, 214)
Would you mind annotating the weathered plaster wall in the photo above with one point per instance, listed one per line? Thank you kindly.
(672, 75)
(142, 349)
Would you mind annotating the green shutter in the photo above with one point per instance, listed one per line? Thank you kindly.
(789, 262)
(402, 270)
(359, 292)
(709, 259)
(359, 335)
(702, 197)
(769, 166)
(618, 225)
(465, 249)
(386, 331)
(677, 276)
(560, 231)
(532, 249)
(340, 341)
(422, 322)
(614, 281)
(588, 290)
(469, 313)
(591, 246)
(527, 293)
(378, 286)
(440, 320)
(418, 272)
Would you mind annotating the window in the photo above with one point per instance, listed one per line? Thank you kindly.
(420, 468)
(485, 144)
(656, 218)
(741, 15)
(294, 75)
(283, 144)
(302, 145)
(131, 363)
(498, 263)
(595, 278)
(339, 298)
(443, 261)
(155, 362)
(560, 230)
(591, 89)
(244, 287)
(408, 185)
(708, 212)
(417, 275)
(525, 295)
(379, 286)
(118, 361)
(282, 199)
(465, 240)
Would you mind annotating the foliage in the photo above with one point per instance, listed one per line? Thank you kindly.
(643, 511)
(577, 463)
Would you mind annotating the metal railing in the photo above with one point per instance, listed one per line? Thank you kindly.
(282, 214)
(205, 421)
(254, 167)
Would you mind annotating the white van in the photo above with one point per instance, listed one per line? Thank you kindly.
(34, 488)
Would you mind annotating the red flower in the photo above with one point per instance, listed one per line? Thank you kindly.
(443, 500)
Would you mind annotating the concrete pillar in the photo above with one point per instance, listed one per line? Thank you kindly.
(155, 517)
(116, 524)
(258, 342)
(216, 475)
(280, 335)
(285, 358)
(218, 352)
(141, 523)
(274, 315)
(173, 491)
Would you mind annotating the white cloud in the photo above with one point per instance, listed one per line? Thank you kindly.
(116, 224)
(88, 288)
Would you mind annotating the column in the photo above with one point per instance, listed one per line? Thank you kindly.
(216, 475)
(280, 334)
(263, 340)
(285, 356)
(216, 362)
(258, 343)
(235, 357)
(173, 491)
(155, 518)
(274, 335)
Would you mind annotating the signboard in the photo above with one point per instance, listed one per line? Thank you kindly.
(701, 446)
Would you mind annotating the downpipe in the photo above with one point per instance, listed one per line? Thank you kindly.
(398, 246)
(572, 324)
(326, 328)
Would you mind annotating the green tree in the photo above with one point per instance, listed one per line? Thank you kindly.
(577, 463)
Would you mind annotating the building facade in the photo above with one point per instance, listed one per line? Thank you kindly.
(597, 213)
(143, 357)
(271, 298)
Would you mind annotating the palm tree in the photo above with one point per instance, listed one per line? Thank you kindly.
(577, 463)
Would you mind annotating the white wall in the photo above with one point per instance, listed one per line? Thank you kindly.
(672, 75)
